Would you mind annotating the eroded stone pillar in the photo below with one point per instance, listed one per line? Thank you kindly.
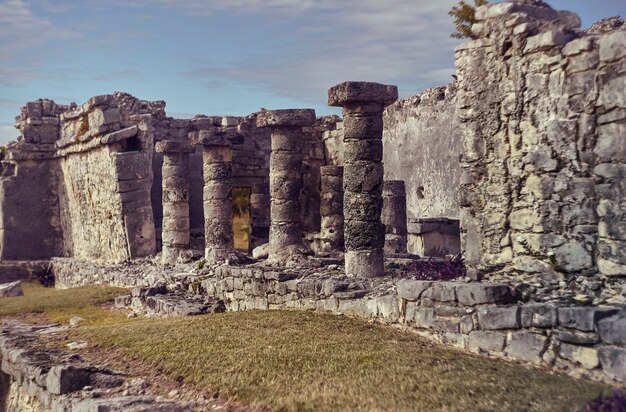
(175, 198)
(285, 177)
(331, 208)
(217, 197)
(363, 104)
(394, 216)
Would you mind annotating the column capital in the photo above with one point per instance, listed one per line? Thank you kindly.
(286, 118)
(174, 146)
(349, 93)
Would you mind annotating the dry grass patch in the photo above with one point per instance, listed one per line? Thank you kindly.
(307, 361)
(62, 305)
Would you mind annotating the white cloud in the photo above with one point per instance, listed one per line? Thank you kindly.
(405, 42)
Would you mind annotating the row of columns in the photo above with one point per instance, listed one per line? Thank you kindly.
(353, 196)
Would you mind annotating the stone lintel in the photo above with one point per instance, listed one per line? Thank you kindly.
(218, 137)
(286, 118)
(174, 146)
(347, 93)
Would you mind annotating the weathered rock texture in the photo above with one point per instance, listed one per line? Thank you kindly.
(285, 177)
(218, 199)
(77, 183)
(422, 142)
(394, 216)
(331, 209)
(363, 105)
(543, 118)
(175, 197)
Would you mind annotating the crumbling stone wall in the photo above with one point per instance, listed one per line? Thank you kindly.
(543, 119)
(77, 181)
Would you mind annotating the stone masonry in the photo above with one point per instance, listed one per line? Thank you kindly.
(394, 217)
(363, 105)
(285, 181)
(218, 199)
(543, 119)
(175, 232)
(331, 209)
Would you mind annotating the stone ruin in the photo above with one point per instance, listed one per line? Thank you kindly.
(519, 166)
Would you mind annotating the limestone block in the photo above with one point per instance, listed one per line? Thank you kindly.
(573, 256)
(577, 337)
(486, 341)
(547, 40)
(412, 289)
(612, 330)
(8, 290)
(583, 318)
(586, 357)
(63, 379)
(471, 294)
(357, 92)
(100, 117)
(367, 263)
(613, 46)
(526, 346)
(362, 207)
(364, 150)
(492, 318)
(363, 235)
(120, 135)
(613, 361)
(361, 129)
(286, 118)
(539, 316)
(441, 292)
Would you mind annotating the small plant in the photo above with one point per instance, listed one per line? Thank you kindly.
(200, 264)
(464, 18)
(616, 402)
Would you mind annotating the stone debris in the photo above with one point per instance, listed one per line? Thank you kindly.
(9, 290)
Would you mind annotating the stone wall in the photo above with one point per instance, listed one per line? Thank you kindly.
(543, 120)
(422, 146)
(77, 182)
(488, 318)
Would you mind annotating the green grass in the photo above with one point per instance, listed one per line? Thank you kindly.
(307, 361)
(62, 305)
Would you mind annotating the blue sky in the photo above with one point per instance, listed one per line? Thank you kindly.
(226, 56)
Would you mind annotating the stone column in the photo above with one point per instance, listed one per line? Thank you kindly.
(175, 198)
(331, 208)
(218, 202)
(285, 177)
(394, 216)
(363, 104)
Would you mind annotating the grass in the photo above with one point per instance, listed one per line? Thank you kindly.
(306, 361)
(62, 305)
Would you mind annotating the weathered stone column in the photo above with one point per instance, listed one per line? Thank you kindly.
(394, 216)
(218, 202)
(363, 105)
(285, 180)
(175, 198)
(331, 208)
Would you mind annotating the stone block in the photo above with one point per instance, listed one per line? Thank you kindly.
(13, 289)
(286, 118)
(486, 341)
(441, 292)
(612, 330)
(547, 40)
(471, 294)
(583, 318)
(613, 361)
(492, 318)
(586, 357)
(361, 92)
(577, 337)
(63, 379)
(526, 346)
(120, 135)
(613, 46)
(539, 316)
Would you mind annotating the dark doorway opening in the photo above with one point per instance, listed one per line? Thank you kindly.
(241, 218)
